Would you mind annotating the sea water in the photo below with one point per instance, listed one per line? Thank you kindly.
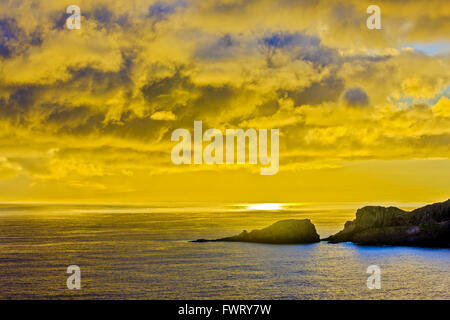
(142, 252)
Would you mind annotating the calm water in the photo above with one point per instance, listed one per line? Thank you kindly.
(142, 253)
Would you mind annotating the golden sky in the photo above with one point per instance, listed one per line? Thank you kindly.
(86, 115)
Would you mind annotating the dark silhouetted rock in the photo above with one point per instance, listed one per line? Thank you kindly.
(281, 232)
(426, 226)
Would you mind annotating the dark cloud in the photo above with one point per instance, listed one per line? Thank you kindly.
(99, 81)
(9, 29)
(59, 19)
(267, 108)
(36, 38)
(301, 47)
(28, 103)
(356, 97)
(214, 99)
(69, 116)
(205, 101)
(14, 40)
(281, 40)
(137, 128)
(107, 19)
(10, 34)
(162, 88)
(161, 10)
(223, 47)
(328, 89)
(228, 7)
(20, 104)
(103, 15)
(4, 50)
(24, 97)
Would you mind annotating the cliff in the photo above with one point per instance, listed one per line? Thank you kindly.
(426, 226)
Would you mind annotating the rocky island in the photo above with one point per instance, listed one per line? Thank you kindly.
(282, 232)
(426, 226)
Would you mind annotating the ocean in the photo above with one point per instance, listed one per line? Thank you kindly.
(142, 252)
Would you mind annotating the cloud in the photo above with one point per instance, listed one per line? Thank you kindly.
(442, 107)
(356, 97)
(108, 96)
(163, 115)
(8, 170)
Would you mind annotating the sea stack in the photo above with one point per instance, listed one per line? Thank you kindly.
(282, 232)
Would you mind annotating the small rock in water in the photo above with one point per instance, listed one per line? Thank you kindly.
(282, 232)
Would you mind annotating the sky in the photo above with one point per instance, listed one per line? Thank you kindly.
(87, 115)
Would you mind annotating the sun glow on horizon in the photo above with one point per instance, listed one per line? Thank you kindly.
(265, 206)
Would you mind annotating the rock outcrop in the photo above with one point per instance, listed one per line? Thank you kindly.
(281, 232)
(426, 226)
